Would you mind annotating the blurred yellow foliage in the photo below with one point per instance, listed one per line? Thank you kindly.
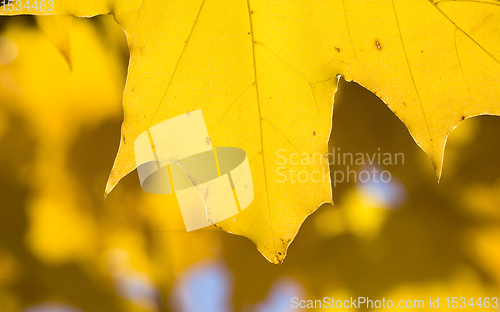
(61, 243)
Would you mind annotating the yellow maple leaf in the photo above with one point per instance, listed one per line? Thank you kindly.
(264, 74)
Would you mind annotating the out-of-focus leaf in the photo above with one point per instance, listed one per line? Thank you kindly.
(57, 29)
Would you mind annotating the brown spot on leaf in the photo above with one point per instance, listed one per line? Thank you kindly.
(377, 44)
(338, 49)
(314, 133)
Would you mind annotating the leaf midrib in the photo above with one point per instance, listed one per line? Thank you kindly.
(260, 123)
